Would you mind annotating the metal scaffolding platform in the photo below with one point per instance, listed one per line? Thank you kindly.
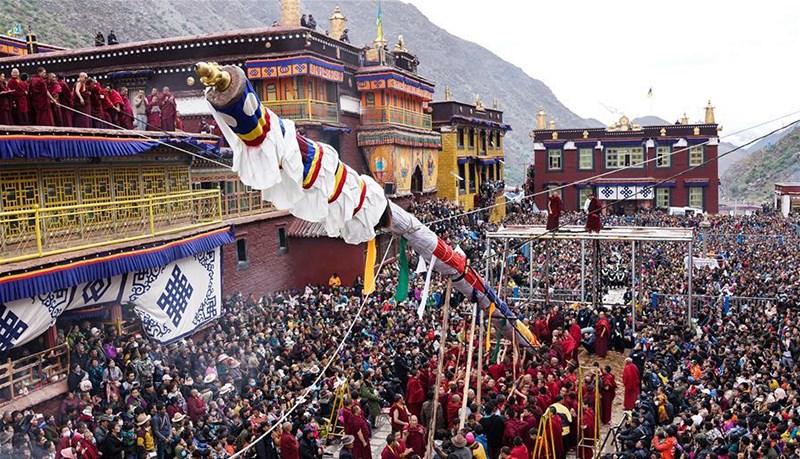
(632, 234)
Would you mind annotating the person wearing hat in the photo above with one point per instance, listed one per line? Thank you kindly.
(145, 443)
(101, 432)
(347, 447)
(309, 448)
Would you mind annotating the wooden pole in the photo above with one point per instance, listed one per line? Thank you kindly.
(470, 348)
(480, 360)
(440, 365)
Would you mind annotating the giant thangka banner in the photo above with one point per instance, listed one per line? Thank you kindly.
(171, 300)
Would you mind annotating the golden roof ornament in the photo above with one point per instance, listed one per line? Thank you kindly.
(541, 120)
(696, 130)
(478, 103)
(585, 134)
(710, 114)
(290, 13)
(684, 119)
(447, 92)
(554, 135)
(552, 124)
(338, 23)
(624, 123)
(663, 132)
(400, 47)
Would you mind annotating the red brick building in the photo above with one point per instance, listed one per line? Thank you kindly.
(644, 167)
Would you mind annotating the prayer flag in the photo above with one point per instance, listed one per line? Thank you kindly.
(369, 268)
(379, 22)
(421, 268)
(650, 93)
(402, 279)
(426, 290)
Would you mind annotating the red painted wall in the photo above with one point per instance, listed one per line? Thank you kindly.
(308, 260)
(679, 163)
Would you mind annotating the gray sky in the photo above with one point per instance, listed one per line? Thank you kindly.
(597, 55)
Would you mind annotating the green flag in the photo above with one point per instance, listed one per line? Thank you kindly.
(402, 280)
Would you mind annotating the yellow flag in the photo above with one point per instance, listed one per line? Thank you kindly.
(369, 268)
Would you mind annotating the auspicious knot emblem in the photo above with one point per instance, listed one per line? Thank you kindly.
(11, 328)
(606, 192)
(176, 296)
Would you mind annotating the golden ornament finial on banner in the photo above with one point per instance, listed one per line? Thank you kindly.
(211, 74)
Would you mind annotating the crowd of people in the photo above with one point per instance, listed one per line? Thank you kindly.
(46, 99)
(727, 385)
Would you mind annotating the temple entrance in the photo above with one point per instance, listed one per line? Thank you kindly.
(416, 180)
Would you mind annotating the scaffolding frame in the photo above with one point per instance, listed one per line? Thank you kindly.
(585, 442)
(632, 234)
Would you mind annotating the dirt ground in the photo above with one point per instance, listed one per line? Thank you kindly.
(617, 362)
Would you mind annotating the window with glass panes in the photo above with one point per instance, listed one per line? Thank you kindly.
(460, 137)
(554, 159)
(463, 182)
(585, 158)
(696, 197)
(663, 156)
(583, 195)
(696, 155)
(624, 157)
(662, 197)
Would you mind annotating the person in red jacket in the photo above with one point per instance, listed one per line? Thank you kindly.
(195, 406)
(20, 98)
(608, 390)
(290, 448)
(664, 444)
(519, 451)
(415, 393)
(630, 378)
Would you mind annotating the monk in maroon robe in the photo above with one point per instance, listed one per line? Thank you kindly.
(593, 222)
(126, 119)
(55, 91)
(20, 106)
(114, 105)
(41, 99)
(399, 415)
(153, 111)
(361, 431)
(98, 112)
(630, 378)
(602, 332)
(5, 102)
(608, 390)
(82, 99)
(554, 208)
(414, 436)
(168, 110)
(65, 99)
(586, 449)
(415, 394)
(290, 447)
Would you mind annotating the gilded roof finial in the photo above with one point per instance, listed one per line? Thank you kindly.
(552, 124)
(541, 120)
(710, 114)
(447, 92)
(684, 119)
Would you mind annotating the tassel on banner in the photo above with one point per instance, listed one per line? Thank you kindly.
(426, 290)
(369, 268)
(402, 279)
(489, 327)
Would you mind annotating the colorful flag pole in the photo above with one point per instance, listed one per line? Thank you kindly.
(379, 22)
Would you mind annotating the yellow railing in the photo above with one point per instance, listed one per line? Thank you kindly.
(305, 110)
(40, 232)
(244, 203)
(394, 115)
(26, 374)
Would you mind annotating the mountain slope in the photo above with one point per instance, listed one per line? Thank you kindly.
(753, 177)
(466, 67)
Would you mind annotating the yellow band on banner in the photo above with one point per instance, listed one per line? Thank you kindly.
(489, 328)
(369, 268)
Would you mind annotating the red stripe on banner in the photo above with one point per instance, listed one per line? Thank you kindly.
(341, 177)
(473, 279)
(363, 196)
(444, 253)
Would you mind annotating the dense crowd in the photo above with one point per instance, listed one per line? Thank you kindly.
(724, 386)
(46, 99)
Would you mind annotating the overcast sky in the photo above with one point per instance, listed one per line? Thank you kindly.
(600, 58)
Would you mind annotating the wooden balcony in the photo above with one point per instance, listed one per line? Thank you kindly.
(305, 110)
(396, 116)
(244, 203)
(44, 231)
(21, 379)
